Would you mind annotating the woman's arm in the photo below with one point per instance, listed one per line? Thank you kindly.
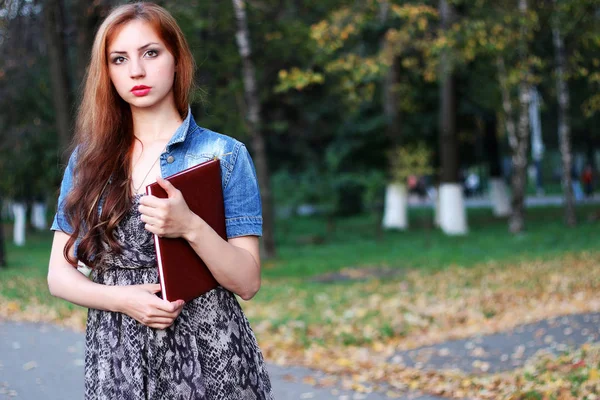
(235, 264)
(137, 301)
(68, 283)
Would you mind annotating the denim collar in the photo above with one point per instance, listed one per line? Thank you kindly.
(187, 127)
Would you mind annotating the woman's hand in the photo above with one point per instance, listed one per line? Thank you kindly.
(141, 303)
(168, 217)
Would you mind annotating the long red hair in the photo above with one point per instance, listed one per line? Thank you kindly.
(104, 133)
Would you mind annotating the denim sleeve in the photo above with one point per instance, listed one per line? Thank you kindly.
(243, 207)
(60, 222)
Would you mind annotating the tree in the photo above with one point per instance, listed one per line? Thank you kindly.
(564, 127)
(87, 17)
(395, 208)
(59, 69)
(254, 125)
(452, 211)
(498, 189)
(2, 241)
(521, 143)
(28, 135)
(365, 54)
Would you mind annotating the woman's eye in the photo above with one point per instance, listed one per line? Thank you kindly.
(118, 60)
(152, 53)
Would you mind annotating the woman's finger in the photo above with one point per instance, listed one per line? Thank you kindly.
(148, 211)
(159, 320)
(160, 326)
(153, 229)
(151, 287)
(151, 201)
(151, 220)
(169, 306)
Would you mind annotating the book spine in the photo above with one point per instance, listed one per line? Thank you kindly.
(161, 274)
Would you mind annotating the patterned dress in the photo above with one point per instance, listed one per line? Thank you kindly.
(210, 352)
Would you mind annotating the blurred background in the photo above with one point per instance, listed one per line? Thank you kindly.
(429, 171)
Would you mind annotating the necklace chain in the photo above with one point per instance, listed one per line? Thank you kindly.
(137, 189)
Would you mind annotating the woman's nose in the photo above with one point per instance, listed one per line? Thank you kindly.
(136, 69)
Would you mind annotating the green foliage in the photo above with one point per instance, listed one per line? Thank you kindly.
(321, 69)
(410, 160)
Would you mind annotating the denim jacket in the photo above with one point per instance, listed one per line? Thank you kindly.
(191, 145)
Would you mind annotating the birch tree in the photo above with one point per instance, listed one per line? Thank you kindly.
(564, 128)
(253, 119)
(520, 142)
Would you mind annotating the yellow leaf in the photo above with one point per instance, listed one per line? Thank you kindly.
(309, 380)
(12, 306)
(344, 362)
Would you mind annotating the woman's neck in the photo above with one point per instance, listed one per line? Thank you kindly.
(150, 124)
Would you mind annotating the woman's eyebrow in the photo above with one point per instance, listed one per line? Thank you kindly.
(139, 49)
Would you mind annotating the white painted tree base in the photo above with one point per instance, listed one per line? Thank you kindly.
(395, 208)
(38, 216)
(453, 217)
(436, 208)
(19, 212)
(500, 197)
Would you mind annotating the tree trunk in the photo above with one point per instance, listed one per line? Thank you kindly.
(498, 189)
(391, 107)
(519, 157)
(452, 211)
(2, 240)
(57, 54)
(254, 125)
(519, 162)
(88, 16)
(396, 196)
(564, 129)
(396, 199)
(19, 210)
(537, 141)
(38, 215)
(506, 103)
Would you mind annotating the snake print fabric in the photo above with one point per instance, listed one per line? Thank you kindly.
(210, 352)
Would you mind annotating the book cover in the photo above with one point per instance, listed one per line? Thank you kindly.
(183, 274)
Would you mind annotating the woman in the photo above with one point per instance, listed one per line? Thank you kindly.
(134, 123)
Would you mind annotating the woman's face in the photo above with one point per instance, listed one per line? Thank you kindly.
(140, 66)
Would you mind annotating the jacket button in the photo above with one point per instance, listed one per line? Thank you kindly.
(170, 159)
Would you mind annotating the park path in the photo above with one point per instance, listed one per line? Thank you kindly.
(505, 350)
(45, 361)
(41, 361)
(485, 201)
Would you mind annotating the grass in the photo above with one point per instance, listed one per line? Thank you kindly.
(354, 244)
(24, 280)
(422, 247)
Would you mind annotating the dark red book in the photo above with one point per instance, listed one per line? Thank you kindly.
(183, 274)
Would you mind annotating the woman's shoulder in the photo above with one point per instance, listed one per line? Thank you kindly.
(212, 136)
(207, 143)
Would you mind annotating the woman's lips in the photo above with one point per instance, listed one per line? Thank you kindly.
(140, 91)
